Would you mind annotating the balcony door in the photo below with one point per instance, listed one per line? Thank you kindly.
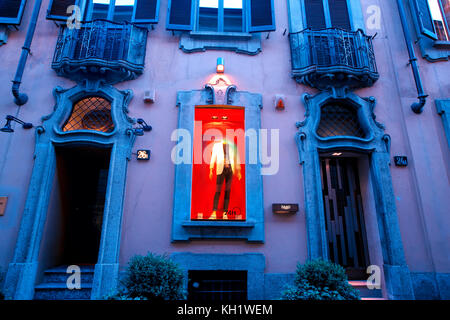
(321, 14)
(112, 10)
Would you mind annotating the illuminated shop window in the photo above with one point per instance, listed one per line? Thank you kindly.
(218, 183)
(93, 113)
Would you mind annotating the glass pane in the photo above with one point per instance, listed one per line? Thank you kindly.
(100, 9)
(123, 10)
(208, 15)
(438, 18)
(218, 174)
(232, 15)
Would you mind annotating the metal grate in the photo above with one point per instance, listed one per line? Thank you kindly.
(93, 113)
(339, 120)
(217, 285)
(97, 39)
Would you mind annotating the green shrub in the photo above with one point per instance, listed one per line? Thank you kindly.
(151, 277)
(320, 280)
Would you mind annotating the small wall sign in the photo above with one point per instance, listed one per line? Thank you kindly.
(284, 208)
(143, 154)
(3, 201)
(401, 161)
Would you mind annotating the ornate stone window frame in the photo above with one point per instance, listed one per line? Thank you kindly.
(377, 147)
(443, 109)
(23, 270)
(183, 229)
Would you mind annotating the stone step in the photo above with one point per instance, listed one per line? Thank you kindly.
(60, 275)
(59, 291)
(361, 286)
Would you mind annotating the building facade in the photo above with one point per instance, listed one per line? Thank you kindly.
(239, 137)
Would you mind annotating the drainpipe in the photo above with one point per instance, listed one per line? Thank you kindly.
(417, 107)
(22, 98)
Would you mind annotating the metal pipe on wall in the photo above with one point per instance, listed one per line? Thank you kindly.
(22, 98)
(417, 107)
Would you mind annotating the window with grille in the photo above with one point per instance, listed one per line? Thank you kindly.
(93, 113)
(338, 119)
(217, 285)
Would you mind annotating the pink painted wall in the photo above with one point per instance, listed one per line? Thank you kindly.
(421, 189)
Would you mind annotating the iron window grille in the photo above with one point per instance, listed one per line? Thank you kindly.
(93, 113)
(206, 285)
(339, 120)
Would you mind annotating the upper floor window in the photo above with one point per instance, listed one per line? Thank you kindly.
(113, 10)
(136, 11)
(221, 15)
(433, 18)
(321, 14)
(440, 14)
(11, 11)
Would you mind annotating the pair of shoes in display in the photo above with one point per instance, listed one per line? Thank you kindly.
(213, 216)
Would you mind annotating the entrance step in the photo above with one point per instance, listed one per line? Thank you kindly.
(54, 285)
(60, 275)
(364, 292)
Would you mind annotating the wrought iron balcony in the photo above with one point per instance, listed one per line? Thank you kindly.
(101, 49)
(333, 57)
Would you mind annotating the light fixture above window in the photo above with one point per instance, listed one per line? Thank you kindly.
(220, 65)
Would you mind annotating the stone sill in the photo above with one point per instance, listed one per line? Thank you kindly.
(220, 35)
(218, 224)
(441, 44)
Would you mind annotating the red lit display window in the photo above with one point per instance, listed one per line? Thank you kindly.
(218, 183)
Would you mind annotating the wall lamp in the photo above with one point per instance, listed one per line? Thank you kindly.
(220, 65)
(9, 118)
(144, 128)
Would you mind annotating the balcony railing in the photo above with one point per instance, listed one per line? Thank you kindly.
(336, 57)
(113, 51)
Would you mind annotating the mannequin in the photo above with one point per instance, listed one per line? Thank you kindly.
(225, 158)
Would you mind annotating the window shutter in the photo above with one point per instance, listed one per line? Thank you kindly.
(425, 21)
(179, 15)
(57, 9)
(339, 14)
(146, 11)
(11, 11)
(261, 15)
(315, 14)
